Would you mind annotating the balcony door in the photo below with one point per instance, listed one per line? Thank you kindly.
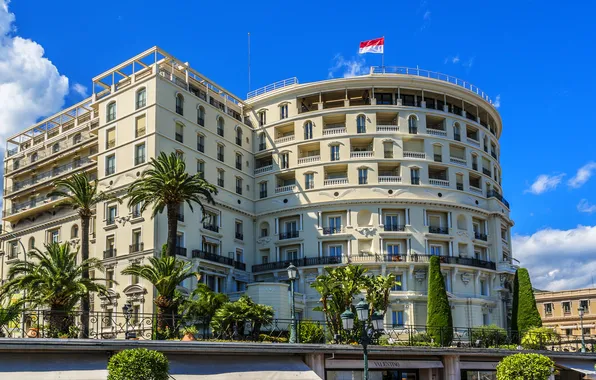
(335, 251)
(391, 220)
(435, 250)
(292, 255)
(291, 227)
(434, 221)
(393, 250)
(334, 223)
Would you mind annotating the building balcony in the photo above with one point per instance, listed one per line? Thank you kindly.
(458, 161)
(284, 139)
(389, 179)
(496, 194)
(213, 257)
(264, 169)
(394, 228)
(109, 253)
(364, 154)
(211, 227)
(302, 262)
(180, 251)
(387, 128)
(308, 160)
(375, 258)
(436, 132)
(479, 236)
(333, 230)
(137, 247)
(475, 189)
(487, 172)
(335, 181)
(239, 235)
(262, 146)
(438, 182)
(420, 155)
(473, 262)
(334, 130)
(438, 230)
(285, 189)
(289, 235)
(471, 141)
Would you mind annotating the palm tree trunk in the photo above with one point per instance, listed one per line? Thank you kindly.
(85, 305)
(172, 211)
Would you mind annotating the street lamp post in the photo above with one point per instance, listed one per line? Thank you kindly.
(292, 275)
(581, 326)
(368, 328)
(127, 310)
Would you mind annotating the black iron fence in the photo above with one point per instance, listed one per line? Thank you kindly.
(146, 326)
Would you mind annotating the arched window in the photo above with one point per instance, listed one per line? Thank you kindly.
(456, 132)
(308, 130)
(31, 243)
(111, 111)
(179, 104)
(262, 141)
(34, 157)
(264, 230)
(201, 116)
(56, 148)
(413, 124)
(283, 111)
(474, 161)
(74, 232)
(179, 132)
(141, 98)
(262, 116)
(220, 126)
(361, 124)
(77, 138)
(238, 135)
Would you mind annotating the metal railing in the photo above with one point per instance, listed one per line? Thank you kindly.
(301, 262)
(479, 236)
(180, 251)
(211, 227)
(438, 230)
(400, 70)
(272, 87)
(496, 194)
(108, 253)
(332, 230)
(394, 227)
(209, 256)
(136, 247)
(289, 235)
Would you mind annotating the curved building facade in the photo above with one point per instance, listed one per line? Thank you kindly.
(382, 170)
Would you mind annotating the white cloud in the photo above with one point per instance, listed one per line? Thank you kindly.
(585, 206)
(452, 59)
(347, 67)
(558, 259)
(469, 63)
(583, 175)
(30, 85)
(544, 183)
(426, 16)
(80, 89)
(497, 102)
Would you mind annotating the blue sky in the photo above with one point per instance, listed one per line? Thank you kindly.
(536, 57)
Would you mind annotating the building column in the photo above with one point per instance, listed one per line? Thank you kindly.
(380, 215)
(407, 217)
(349, 244)
(316, 362)
(277, 254)
(301, 254)
(320, 245)
(301, 227)
(276, 226)
(381, 246)
(349, 218)
(451, 369)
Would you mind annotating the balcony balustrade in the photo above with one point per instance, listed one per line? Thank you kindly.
(335, 130)
(420, 155)
(496, 194)
(109, 253)
(389, 179)
(211, 227)
(458, 161)
(285, 139)
(180, 251)
(301, 262)
(438, 182)
(263, 169)
(332, 230)
(309, 159)
(335, 181)
(387, 128)
(487, 172)
(136, 247)
(364, 154)
(239, 235)
(285, 189)
(394, 228)
(438, 230)
(459, 186)
(480, 236)
(436, 132)
(209, 256)
(289, 235)
(474, 142)
(475, 189)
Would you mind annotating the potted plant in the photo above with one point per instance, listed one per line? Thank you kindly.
(188, 333)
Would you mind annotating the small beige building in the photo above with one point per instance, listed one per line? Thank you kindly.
(560, 310)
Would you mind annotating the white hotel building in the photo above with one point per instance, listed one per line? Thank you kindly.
(382, 170)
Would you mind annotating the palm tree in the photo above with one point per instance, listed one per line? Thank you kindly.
(230, 319)
(9, 314)
(53, 279)
(165, 273)
(378, 289)
(167, 185)
(202, 305)
(81, 194)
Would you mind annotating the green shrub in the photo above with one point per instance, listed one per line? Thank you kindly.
(491, 335)
(525, 367)
(311, 332)
(539, 338)
(525, 314)
(439, 319)
(272, 339)
(138, 364)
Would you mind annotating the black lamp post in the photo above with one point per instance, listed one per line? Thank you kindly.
(581, 325)
(292, 275)
(368, 327)
(127, 310)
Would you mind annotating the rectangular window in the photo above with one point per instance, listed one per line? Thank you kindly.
(485, 319)
(334, 224)
(239, 255)
(140, 154)
(111, 112)
(141, 98)
(220, 152)
(263, 190)
(309, 181)
(284, 160)
(262, 118)
(111, 138)
(566, 307)
(136, 241)
(238, 161)
(335, 250)
(584, 305)
(136, 210)
(264, 259)
(568, 332)
(220, 178)
(334, 152)
(483, 288)
(292, 255)
(110, 247)
(398, 283)
(201, 169)
(435, 250)
(283, 111)
(239, 233)
(362, 176)
(13, 249)
(238, 185)
(179, 133)
(308, 130)
(392, 250)
(201, 143)
(415, 176)
(110, 278)
(140, 126)
(390, 221)
(397, 318)
(110, 165)
(111, 215)
(548, 308)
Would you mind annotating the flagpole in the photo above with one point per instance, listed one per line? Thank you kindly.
(249, 61)
(383, 56)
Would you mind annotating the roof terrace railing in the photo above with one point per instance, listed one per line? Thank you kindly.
(400, 70)
(272, 87)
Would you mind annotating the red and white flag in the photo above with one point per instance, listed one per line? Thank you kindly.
(372, 46)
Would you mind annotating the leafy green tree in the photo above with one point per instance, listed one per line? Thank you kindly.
(138, 364)
(230, 320)
(439, 320)
(525, 313)
(165, 273)
(378, 289)
(337, 288)
(167, 185)
(81, 194)
(53, 279)
(202, 305)
(539, 338)
(525, 367)
(489, 336)
(10, 312)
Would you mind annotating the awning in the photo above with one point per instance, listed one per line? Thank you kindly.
(194, 367)
(489, 366)
(582, 366)
(382, 364)
(568, 327)
(208, 239)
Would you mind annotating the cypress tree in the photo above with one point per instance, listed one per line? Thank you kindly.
(439, 320)
(525, 313)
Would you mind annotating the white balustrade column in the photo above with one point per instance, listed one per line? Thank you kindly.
(320, 248)
(276, 226)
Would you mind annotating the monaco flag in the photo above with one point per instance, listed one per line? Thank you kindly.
(372, 46)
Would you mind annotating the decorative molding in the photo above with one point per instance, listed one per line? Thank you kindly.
(466, 278)
(264, 240)
(332, 195)
(366, 231)
(420, 275)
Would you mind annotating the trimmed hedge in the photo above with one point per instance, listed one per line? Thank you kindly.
(525, 314)
(138, 364)
(525, 367)
(489, 336)
(439, 320)
(540, 338)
